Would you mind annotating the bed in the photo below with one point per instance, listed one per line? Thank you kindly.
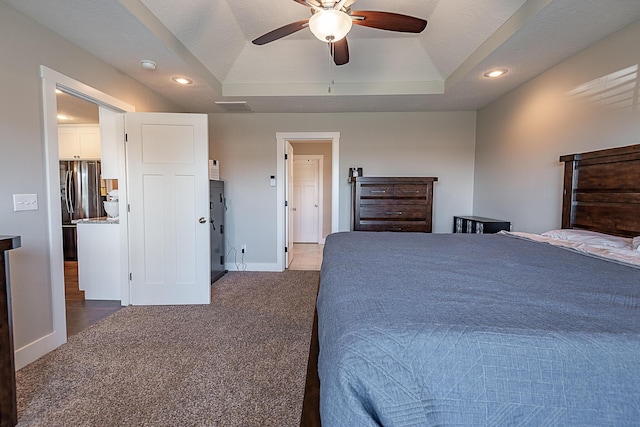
(465, 329)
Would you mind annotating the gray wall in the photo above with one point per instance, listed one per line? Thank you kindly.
(521, 136)
(25, 46)
(383, 144)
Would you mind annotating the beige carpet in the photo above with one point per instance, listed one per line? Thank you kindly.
(240, 361)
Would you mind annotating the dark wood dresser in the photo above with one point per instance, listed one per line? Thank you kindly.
(8, 407)
(393, 203)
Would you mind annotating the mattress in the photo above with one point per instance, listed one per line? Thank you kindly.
(466, 329)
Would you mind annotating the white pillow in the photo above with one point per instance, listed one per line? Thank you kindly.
(590, 238)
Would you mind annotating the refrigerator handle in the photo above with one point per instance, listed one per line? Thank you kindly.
(66, 191)
(70, 192)
(98, 198)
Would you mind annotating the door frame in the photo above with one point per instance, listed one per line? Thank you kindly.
(281, 137)
(288, 185)
(51, 80)
(320, 159)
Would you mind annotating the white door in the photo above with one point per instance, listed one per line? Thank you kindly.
(289, 205)
(306, 200)
(167, 165)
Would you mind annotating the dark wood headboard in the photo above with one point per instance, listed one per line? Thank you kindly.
(602, 191)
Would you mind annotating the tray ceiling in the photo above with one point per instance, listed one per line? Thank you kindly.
(441, 68)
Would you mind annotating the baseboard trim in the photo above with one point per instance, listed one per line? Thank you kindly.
(38, 348)
(253, 266)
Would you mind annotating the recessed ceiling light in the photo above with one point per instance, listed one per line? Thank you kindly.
(496, 73)
(182, 80)
(63, 117)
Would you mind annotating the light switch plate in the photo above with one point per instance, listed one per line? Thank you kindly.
(25, 202)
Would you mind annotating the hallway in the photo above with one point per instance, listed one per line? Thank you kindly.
(306, 256)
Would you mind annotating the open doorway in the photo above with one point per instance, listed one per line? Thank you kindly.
(83, 191)
(310, 207)
(52, 80)
(311, 203)
(319, 145)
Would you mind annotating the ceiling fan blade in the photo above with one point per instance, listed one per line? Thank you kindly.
(340, 51)
(388, 21)
(278, 33)
(310, 3)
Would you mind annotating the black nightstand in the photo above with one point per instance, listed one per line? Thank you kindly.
(479, 225)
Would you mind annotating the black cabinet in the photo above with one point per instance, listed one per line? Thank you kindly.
(479, 225)
(217, 208)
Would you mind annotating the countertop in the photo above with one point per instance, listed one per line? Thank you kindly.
(9, 242)
(100, 220)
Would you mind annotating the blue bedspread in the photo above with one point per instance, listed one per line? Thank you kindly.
(464, 329)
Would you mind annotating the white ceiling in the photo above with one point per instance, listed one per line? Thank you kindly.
(209, 41)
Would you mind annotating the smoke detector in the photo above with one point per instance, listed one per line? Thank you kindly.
(147, 64)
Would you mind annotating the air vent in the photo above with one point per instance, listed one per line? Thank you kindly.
(234, 106)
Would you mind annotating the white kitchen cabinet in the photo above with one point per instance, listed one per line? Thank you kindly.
(99, 259)
(79, 142)
(111, 136)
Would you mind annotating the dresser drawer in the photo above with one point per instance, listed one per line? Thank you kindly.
(377, 191)
(393, 191)
(411, 226)
(409, 191)
(393, 211)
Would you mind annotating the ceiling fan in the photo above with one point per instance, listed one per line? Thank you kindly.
(330, 22)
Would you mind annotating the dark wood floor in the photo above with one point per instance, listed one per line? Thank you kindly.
(82, 313)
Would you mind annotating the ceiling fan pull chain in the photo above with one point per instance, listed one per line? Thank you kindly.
(332, 48)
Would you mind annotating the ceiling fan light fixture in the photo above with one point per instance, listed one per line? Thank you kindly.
(330, 25)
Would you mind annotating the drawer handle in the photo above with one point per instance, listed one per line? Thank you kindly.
(378, 191)
(394, 213)
(411, 191)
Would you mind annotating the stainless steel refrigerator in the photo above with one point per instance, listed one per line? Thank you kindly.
(80, 198)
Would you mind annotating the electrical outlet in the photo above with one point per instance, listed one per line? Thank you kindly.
(243, 248)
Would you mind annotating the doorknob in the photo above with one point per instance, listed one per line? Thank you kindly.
(202, 220)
